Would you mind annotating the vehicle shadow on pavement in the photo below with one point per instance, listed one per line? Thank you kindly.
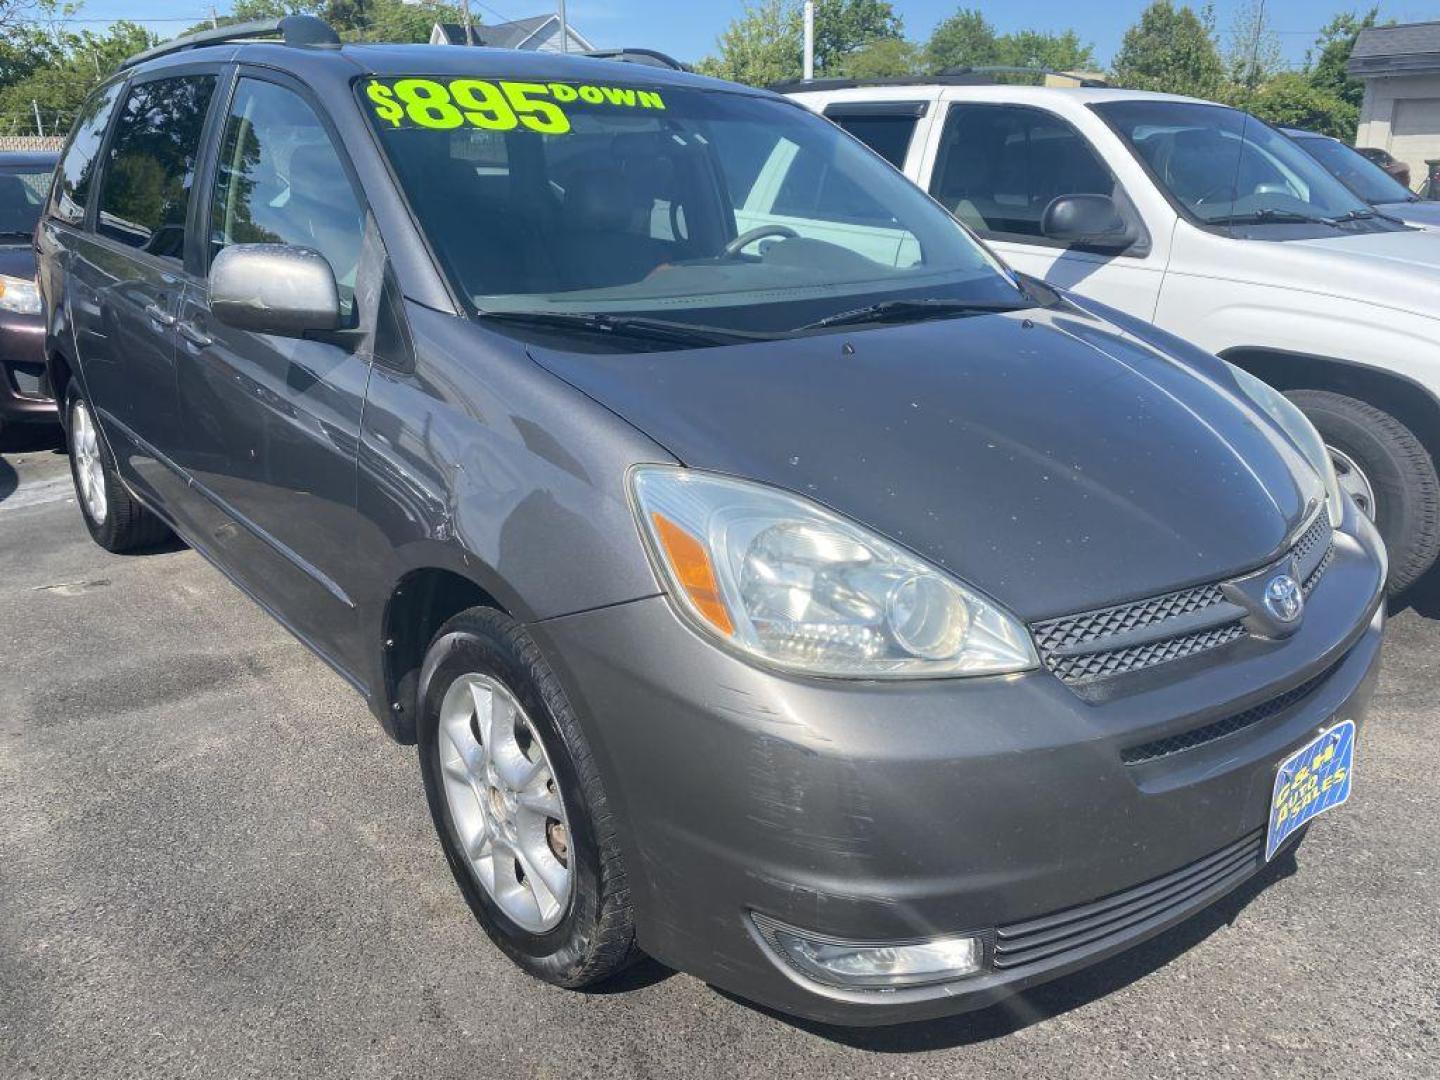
(24, 439)
(1054, 998)
(1423, 596)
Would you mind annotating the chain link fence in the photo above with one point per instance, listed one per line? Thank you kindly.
(30, 143)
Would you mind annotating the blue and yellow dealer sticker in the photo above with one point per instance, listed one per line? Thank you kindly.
(499, 105)
(1310, 781)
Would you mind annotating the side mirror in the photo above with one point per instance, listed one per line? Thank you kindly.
(274, 289)
(1092, 221)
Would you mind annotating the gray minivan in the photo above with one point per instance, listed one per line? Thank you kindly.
(807, 601)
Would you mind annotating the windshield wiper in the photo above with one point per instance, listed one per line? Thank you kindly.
(632, 326)
(1272, 217)
(900, 310)
(1354, 215)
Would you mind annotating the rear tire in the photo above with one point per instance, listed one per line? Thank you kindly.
(1399, 471)
(591, 935)
(117, 521)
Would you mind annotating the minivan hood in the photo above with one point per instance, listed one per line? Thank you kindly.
(1423, 215)
(1047, 460)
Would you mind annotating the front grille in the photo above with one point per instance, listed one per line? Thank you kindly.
(1092, 645)
(1208, 733)
(1124, 914)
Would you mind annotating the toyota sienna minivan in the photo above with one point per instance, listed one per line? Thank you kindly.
(809, 602)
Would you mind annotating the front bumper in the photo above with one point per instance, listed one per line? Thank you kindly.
(24, 388)
(902, 811)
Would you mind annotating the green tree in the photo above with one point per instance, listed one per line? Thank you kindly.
(883, 58)
(1042, 49)
(67, 65)
(1253, 52)
(965, 39)
(1172, 50)
(1334, 45)
(1291, 99)
(764, 44)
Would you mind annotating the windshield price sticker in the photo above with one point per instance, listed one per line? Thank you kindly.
(494, 106)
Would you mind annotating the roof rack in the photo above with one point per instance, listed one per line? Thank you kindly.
(292, 30)
(961, 76)
(648, 57)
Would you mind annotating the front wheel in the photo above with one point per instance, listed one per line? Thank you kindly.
(1388, 474)
(518, 804)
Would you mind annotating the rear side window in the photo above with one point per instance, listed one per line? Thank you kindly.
(1000, 166)
(77, 167)
(280, 181)
(145, 194)
(887, 131)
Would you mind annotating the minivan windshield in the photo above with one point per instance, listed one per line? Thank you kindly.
(1355, 170)
(1225, 167)
(674, 204)
(22, 194)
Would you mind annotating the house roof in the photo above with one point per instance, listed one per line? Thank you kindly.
(507, 35)
(1407, 49)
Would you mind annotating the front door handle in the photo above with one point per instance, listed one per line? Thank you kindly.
(192, 333)
(159, 315)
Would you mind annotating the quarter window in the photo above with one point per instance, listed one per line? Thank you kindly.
(886, 131)
(280, 181)
(77, 167)
(145, 195)
(1000, 166)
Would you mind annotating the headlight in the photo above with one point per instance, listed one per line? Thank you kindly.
(793, 585)
(1302, 433)
(19, 295)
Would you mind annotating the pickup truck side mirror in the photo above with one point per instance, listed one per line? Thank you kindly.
(1092, 221)
(274, 289)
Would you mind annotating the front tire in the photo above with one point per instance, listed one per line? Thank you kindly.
(1378, 459)
(117, 521)
(518, 804)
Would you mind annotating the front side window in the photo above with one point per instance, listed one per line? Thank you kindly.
(279, 180)
(701, 206)
(22, 196)
(1224, 167)
(1000, 166)
(77, 167)
(145, 194)
(1355, 171)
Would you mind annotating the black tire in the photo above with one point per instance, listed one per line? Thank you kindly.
(595, 938)
(127, 525)
(1401, 473)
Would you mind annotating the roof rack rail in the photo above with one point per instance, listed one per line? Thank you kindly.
(648, 57)
(292, 30)
(966, 76)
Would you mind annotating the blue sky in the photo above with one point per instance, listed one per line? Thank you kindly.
(689, 29)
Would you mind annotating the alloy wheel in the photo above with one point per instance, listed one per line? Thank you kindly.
(505, 802)
(89, 470)
(1353, 481)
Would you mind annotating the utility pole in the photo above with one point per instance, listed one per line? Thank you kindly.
(564, 29)
(39, 125)
(214, 18)
(809, 71)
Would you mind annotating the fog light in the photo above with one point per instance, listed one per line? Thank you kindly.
(874, 965)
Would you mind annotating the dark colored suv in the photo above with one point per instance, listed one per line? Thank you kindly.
(24, 394)
(772, 580)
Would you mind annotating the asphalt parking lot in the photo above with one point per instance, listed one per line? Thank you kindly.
(213, 863)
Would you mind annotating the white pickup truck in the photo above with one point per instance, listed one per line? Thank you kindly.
(1207, 223)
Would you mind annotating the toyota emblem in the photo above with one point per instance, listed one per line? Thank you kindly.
(1283, 598)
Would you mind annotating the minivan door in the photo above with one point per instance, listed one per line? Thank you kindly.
(271, 424)
(998, 166)
(127, 277)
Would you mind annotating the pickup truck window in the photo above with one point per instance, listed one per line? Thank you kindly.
(1000, 166)
(885, 127)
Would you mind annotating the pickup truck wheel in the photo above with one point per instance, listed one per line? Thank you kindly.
(1388, 473)
(518, 803)
(116, 520)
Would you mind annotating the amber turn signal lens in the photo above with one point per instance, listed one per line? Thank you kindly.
(692, 569)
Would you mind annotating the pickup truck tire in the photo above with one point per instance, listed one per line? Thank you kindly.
(1399, 469)
(117, 521)
(592, 936)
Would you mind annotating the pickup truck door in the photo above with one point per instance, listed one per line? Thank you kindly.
(997, 166)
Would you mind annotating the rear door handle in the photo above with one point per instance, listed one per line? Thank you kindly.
(192, 333)
(159, 315)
